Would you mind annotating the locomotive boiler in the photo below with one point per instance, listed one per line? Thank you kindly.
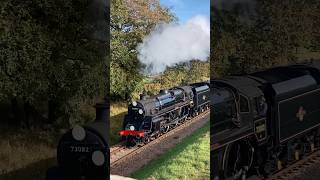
(264, 121)
(152, 116)
(83, 151)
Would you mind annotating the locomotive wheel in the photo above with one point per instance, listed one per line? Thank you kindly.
(176, 124)
(237, 161)
(146, 140)
(130, 141)
(165, 129)
(158, 135)
(181, 121)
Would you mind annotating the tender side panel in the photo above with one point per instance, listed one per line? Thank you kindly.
(203, 97)
(298, 114)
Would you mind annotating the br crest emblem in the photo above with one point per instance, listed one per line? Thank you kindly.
(301, 113)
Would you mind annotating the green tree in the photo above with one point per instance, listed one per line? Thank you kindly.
(279, 33)
(130, 22)
(49, 58)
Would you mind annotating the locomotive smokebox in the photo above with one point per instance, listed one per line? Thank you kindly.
(102, 111)
(83, 151)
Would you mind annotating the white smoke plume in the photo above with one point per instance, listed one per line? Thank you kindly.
(170, 44)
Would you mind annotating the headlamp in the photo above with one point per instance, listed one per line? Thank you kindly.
(78, 133)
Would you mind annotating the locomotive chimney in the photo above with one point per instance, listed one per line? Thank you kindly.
(102, 110)
(143, 96)
(163, 91)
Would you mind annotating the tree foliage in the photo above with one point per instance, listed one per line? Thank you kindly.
(131, 20)
(180, 74)
(279, 33)
(49, 59)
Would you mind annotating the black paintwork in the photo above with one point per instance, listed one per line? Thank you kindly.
(74, 165)
(284, 91)
(167, 107)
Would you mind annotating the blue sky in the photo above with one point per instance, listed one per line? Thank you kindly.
(185, 9)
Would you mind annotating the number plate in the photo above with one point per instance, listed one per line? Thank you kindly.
(79, 149)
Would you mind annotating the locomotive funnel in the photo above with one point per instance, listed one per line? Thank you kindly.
(164, 91)
(102, 111)
(143, 96)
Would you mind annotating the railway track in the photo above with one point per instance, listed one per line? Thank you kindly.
(119, 151)
(121, 155)
(297, 169)
(115, 147)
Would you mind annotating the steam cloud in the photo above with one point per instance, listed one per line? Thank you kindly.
(170, 44)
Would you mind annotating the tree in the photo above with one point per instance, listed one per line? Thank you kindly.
(49, 56)
(131, 20)
(278, 33)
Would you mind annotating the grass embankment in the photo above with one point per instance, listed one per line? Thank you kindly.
(188, 160)
(117, 112)
(27, 154)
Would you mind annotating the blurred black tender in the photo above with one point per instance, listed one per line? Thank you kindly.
(83, 152)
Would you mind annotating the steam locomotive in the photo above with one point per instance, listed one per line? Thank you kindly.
(83, 152)
(152, 116)
(264, 121)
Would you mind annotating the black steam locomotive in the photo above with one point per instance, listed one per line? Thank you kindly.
(83, 152)
(152, 116)
(264, 121)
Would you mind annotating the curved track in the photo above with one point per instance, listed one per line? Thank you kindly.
(124, 161)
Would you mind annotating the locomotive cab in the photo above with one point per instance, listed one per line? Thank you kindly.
(201, 98)
(224, 109)
(238, 110)
(237, 103)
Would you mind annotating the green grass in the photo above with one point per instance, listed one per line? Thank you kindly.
(118, 110)
(27, 154)
(190, 159)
